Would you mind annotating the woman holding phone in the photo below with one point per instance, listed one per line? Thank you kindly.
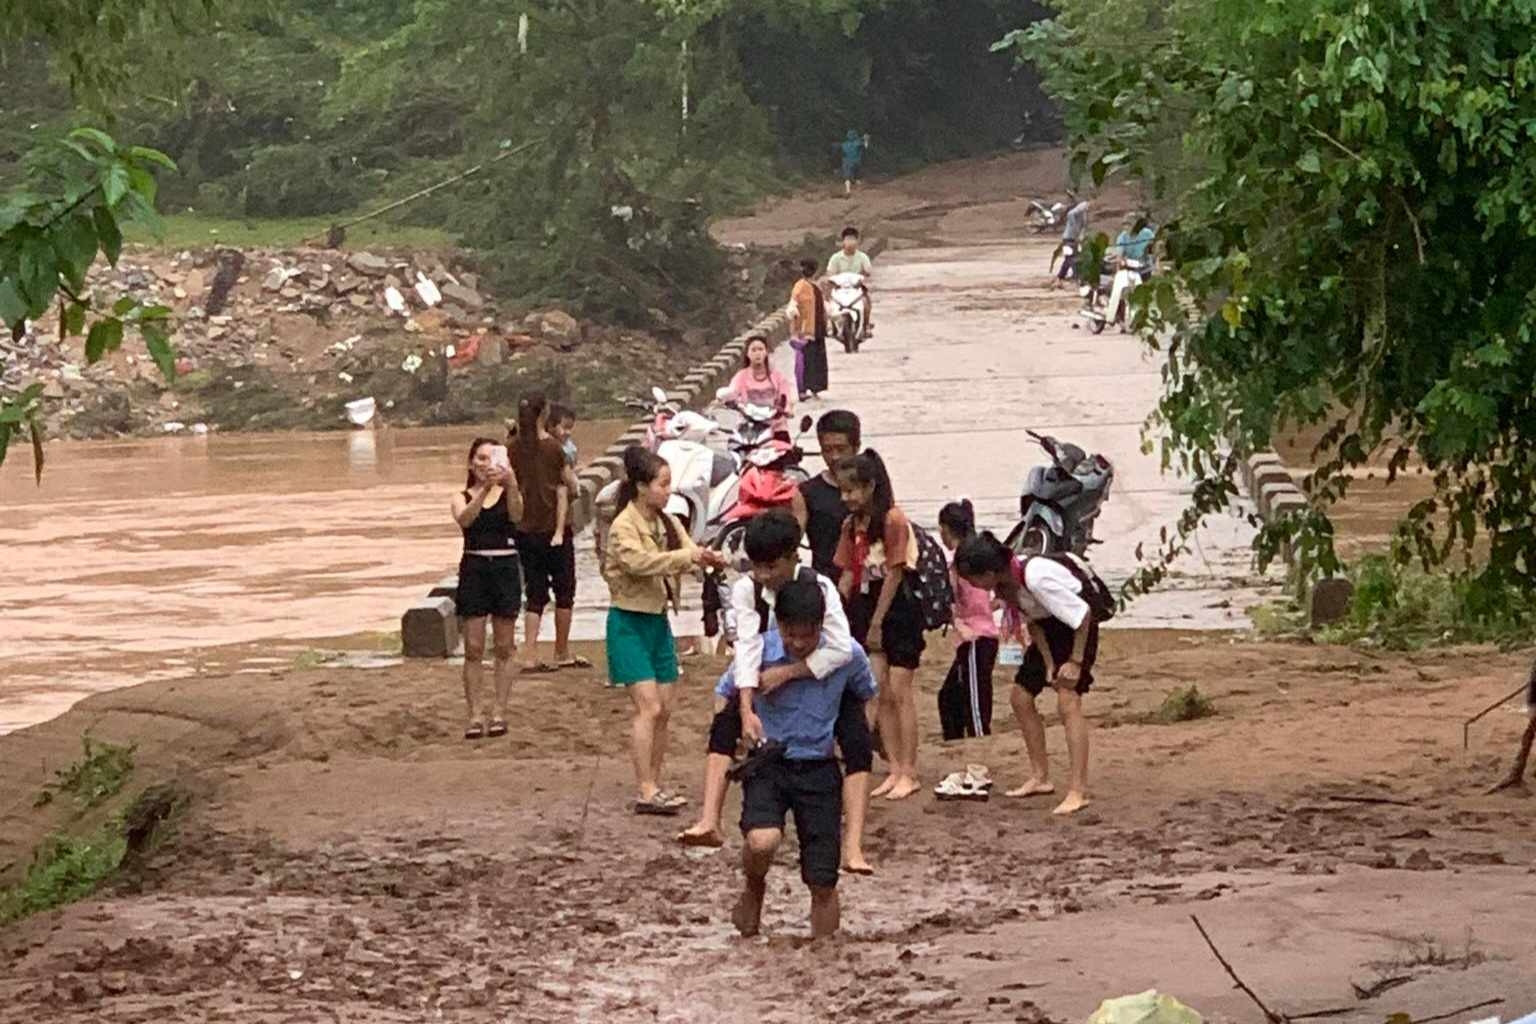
(490, 580)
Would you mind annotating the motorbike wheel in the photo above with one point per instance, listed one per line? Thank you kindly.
(1035, 541)
(845, 333)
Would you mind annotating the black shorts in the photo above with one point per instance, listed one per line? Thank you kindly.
(851, 732)
(489, 586)
(813, 791)
(549, 567)
(1061, 637)
(902, 632)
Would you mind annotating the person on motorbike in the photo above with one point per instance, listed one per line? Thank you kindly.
(757, 383)
(850, 259)
(1135, 242)
(1072, 234)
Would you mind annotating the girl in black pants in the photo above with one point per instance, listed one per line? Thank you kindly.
(965, 699)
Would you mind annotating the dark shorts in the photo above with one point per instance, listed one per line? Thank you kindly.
(901, 633)
(1061, 637)
(851, 732)
(489, 586)
(548, 567)
(813, 792)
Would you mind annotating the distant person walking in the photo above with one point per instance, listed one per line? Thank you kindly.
(490, 584)
(1073, 232)
(646, 553)
(545, 539)
(808, 326)
(853, 147)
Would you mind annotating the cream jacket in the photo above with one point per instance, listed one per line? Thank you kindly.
(637, 564)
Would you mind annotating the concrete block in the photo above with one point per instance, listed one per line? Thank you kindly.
(448, 586)
(1330, 601)
(1270, 491)
(429, 628)
(1269, 473)
(1287, 504)
(1248, 468)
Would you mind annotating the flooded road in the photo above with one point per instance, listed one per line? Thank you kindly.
(155, 558)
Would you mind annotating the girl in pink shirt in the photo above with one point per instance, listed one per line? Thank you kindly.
(757, 383)
(965, 699)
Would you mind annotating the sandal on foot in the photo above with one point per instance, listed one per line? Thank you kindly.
(498, 727)
(658, 805)
(704, 840)
(475, 731)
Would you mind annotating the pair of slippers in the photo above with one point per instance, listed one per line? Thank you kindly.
(975, 783)
(477, 730)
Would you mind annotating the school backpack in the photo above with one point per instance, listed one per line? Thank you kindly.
(1095, 592)
(929, 583)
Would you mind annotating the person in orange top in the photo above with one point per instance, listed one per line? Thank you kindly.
(808, 333)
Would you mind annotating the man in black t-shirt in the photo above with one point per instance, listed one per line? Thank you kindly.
(818, 504)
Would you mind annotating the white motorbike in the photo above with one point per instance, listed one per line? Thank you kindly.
(847, 319)
(1043, 218)
(1118, 279)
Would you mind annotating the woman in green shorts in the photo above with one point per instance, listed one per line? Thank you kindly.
(646, 553)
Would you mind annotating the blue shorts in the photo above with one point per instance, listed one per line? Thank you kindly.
(850, 169)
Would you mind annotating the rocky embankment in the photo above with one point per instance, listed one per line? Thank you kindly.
(283, 339)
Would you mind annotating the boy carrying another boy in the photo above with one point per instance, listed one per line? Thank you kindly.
(793, 771)
(772, 544)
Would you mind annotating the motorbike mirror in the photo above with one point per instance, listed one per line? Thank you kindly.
(806, 423)
(659, 395)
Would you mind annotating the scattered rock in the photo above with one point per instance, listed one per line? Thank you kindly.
(467, 297)
(369, 264)
(1420, 860)
(275, 279)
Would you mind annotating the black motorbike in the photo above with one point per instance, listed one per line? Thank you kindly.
(1061, 501)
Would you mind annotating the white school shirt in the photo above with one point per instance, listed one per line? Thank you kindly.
(834, 651)
(1050, 591)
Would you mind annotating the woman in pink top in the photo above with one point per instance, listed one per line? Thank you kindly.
(965, 699)
(757, 383)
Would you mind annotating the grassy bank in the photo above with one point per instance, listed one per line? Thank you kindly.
(194, 230)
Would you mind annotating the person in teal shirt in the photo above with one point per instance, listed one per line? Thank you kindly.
(1136, 244)
(853, 146)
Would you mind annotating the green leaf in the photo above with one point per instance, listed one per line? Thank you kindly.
(15, 410)
(13, 308)
(116, 184)
(74, 318)
(109, 234)
(124, 305)
(36, 426)
(152, 156)
(152, 313)
(106, 336)
(159, 345)
(5, 437)
(97, 136)
(39, 275)
(74, 241)
(1310, 162)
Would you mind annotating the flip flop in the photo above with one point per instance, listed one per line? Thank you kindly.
(864, 871)
(498, 727)
(475, 731)
(576, 661)
(709, 840)
(539, 668)
(657, 805)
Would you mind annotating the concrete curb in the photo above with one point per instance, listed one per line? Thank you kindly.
(1272, 486)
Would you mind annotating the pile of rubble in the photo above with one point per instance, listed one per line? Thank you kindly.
(302, 311)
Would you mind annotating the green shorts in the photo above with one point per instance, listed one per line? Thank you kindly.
(640, 648)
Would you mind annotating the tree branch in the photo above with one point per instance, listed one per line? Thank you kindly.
(1269, 1015)
(1418, 234)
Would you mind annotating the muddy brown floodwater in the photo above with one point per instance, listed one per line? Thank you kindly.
(144, 559)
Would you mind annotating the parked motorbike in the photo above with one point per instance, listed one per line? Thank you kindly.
(847, 315)
(1061, 502)
(1043, 218)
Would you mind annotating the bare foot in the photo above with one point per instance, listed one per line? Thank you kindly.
(1032, 787)
(884, 787)
(855, 864)
(701, 835)
(747, 915)
(1072, 804)
(903, 789)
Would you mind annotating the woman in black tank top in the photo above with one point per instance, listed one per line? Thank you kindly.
(490, 581)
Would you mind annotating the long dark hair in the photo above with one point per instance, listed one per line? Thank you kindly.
(641, 467)
(959, 518)
(746, 360)
(982, 553)
(474, 446)
(865, 469)
(529, 411)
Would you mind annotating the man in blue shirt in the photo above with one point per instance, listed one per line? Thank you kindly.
(806, 780)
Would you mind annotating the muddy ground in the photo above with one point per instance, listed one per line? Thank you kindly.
(346, 857)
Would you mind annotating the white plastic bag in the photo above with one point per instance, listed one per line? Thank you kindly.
(1149, 1007)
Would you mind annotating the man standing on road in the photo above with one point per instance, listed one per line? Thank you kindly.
(1072, 235)
(797, 773)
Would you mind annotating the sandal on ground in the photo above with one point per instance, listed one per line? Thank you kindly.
(979, 775)
(498, 727)
(539, 667)
(662, 805)
(574, 661)
(960, 786)
(475, 731)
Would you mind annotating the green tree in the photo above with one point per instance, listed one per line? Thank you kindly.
(1350, 244)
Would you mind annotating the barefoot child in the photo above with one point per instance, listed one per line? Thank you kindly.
(965, 699)
(1063, 634)
(804, 778)
(772, 544)
(874, 553)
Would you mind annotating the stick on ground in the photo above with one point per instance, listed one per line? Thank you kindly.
(1269, 1015)
(1458, 1011)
